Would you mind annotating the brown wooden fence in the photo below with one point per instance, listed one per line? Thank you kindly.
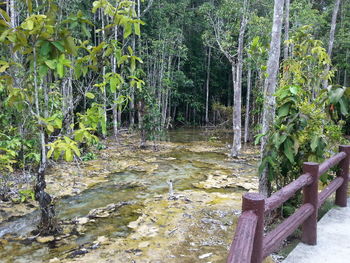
(251, 245)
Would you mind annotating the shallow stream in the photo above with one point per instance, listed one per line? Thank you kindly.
(207, 189)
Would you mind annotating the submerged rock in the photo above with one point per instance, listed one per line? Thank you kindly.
(45, 239)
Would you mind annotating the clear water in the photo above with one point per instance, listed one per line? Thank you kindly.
(184, 167)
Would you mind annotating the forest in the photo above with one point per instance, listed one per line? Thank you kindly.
(109, 83)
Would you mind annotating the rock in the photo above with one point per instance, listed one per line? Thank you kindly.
(102, 240)
(205, 255)
(133, 224)
(82, 220)
(45, 239)
(78, 252)
(144, 244)
(247, 186)
(54, 260)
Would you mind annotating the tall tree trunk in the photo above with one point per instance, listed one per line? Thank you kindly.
(237, 103)
(234, 75)
(47, 222)
(247, 110)
(207, 89)
(331, 37)
(104, 94)
(286, 29)
(270, 88)
(345, 71)
(115, 106)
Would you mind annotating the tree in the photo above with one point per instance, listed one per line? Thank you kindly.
(331, 34)
(270, 88)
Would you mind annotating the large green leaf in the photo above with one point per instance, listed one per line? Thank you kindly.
(45, 49)
(51, 63)
(343, 106)
(127, 30)
(283, 110)
(314, 143)
(60, 70)
(288, 150)
(58, 45)
(335, 95)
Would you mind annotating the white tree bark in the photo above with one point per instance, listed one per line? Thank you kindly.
(270, 87)
(286, 29)
(237, 103)
(207, 88)
(331, 36)
(247, 111)
(115, 106)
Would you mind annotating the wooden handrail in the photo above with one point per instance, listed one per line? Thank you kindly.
(245, 232)
(249, 243)
(329, 163)
(274, 238)
(284, 194)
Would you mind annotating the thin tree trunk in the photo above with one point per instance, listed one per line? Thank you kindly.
(237, 103)
(270, 88)
(345, 71)
(247, 111)
(115, 106)
(104, 94)
(331, 37)
(286, 29)
(234, 75)
(207, 89)
(47, 223)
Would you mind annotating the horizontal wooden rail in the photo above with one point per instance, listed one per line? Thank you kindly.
(245, 232)
(249, 244)
(329, 163)
(278, 198)
(273, 239)
(329, 190)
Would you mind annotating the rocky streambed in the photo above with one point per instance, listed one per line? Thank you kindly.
(177, 203)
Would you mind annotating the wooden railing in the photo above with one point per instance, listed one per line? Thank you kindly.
(250, 244)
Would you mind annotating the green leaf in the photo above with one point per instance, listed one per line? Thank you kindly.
(137, 29)
(50, 128)
(335, 95)
(58, 123)
(127, 30)
(89, 95)
(51, 63)
(283, 110)
(45, 49)
(28, 25)
(43, 70)
(58, 45)
(314, 143)
(85, 31)
(70, 45)
(293, 90)
(4, 34)
(113, 84)
(68, 155)
(60, 70)
(288, 150)
(343, 107)
(5, 15)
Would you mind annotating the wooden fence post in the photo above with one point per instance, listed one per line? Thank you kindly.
(310, 193)
(341, 195)
(256, 202)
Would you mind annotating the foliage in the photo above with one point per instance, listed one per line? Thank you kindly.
(25, 195)
(303, 129)
(88, 156)
(65, 146)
